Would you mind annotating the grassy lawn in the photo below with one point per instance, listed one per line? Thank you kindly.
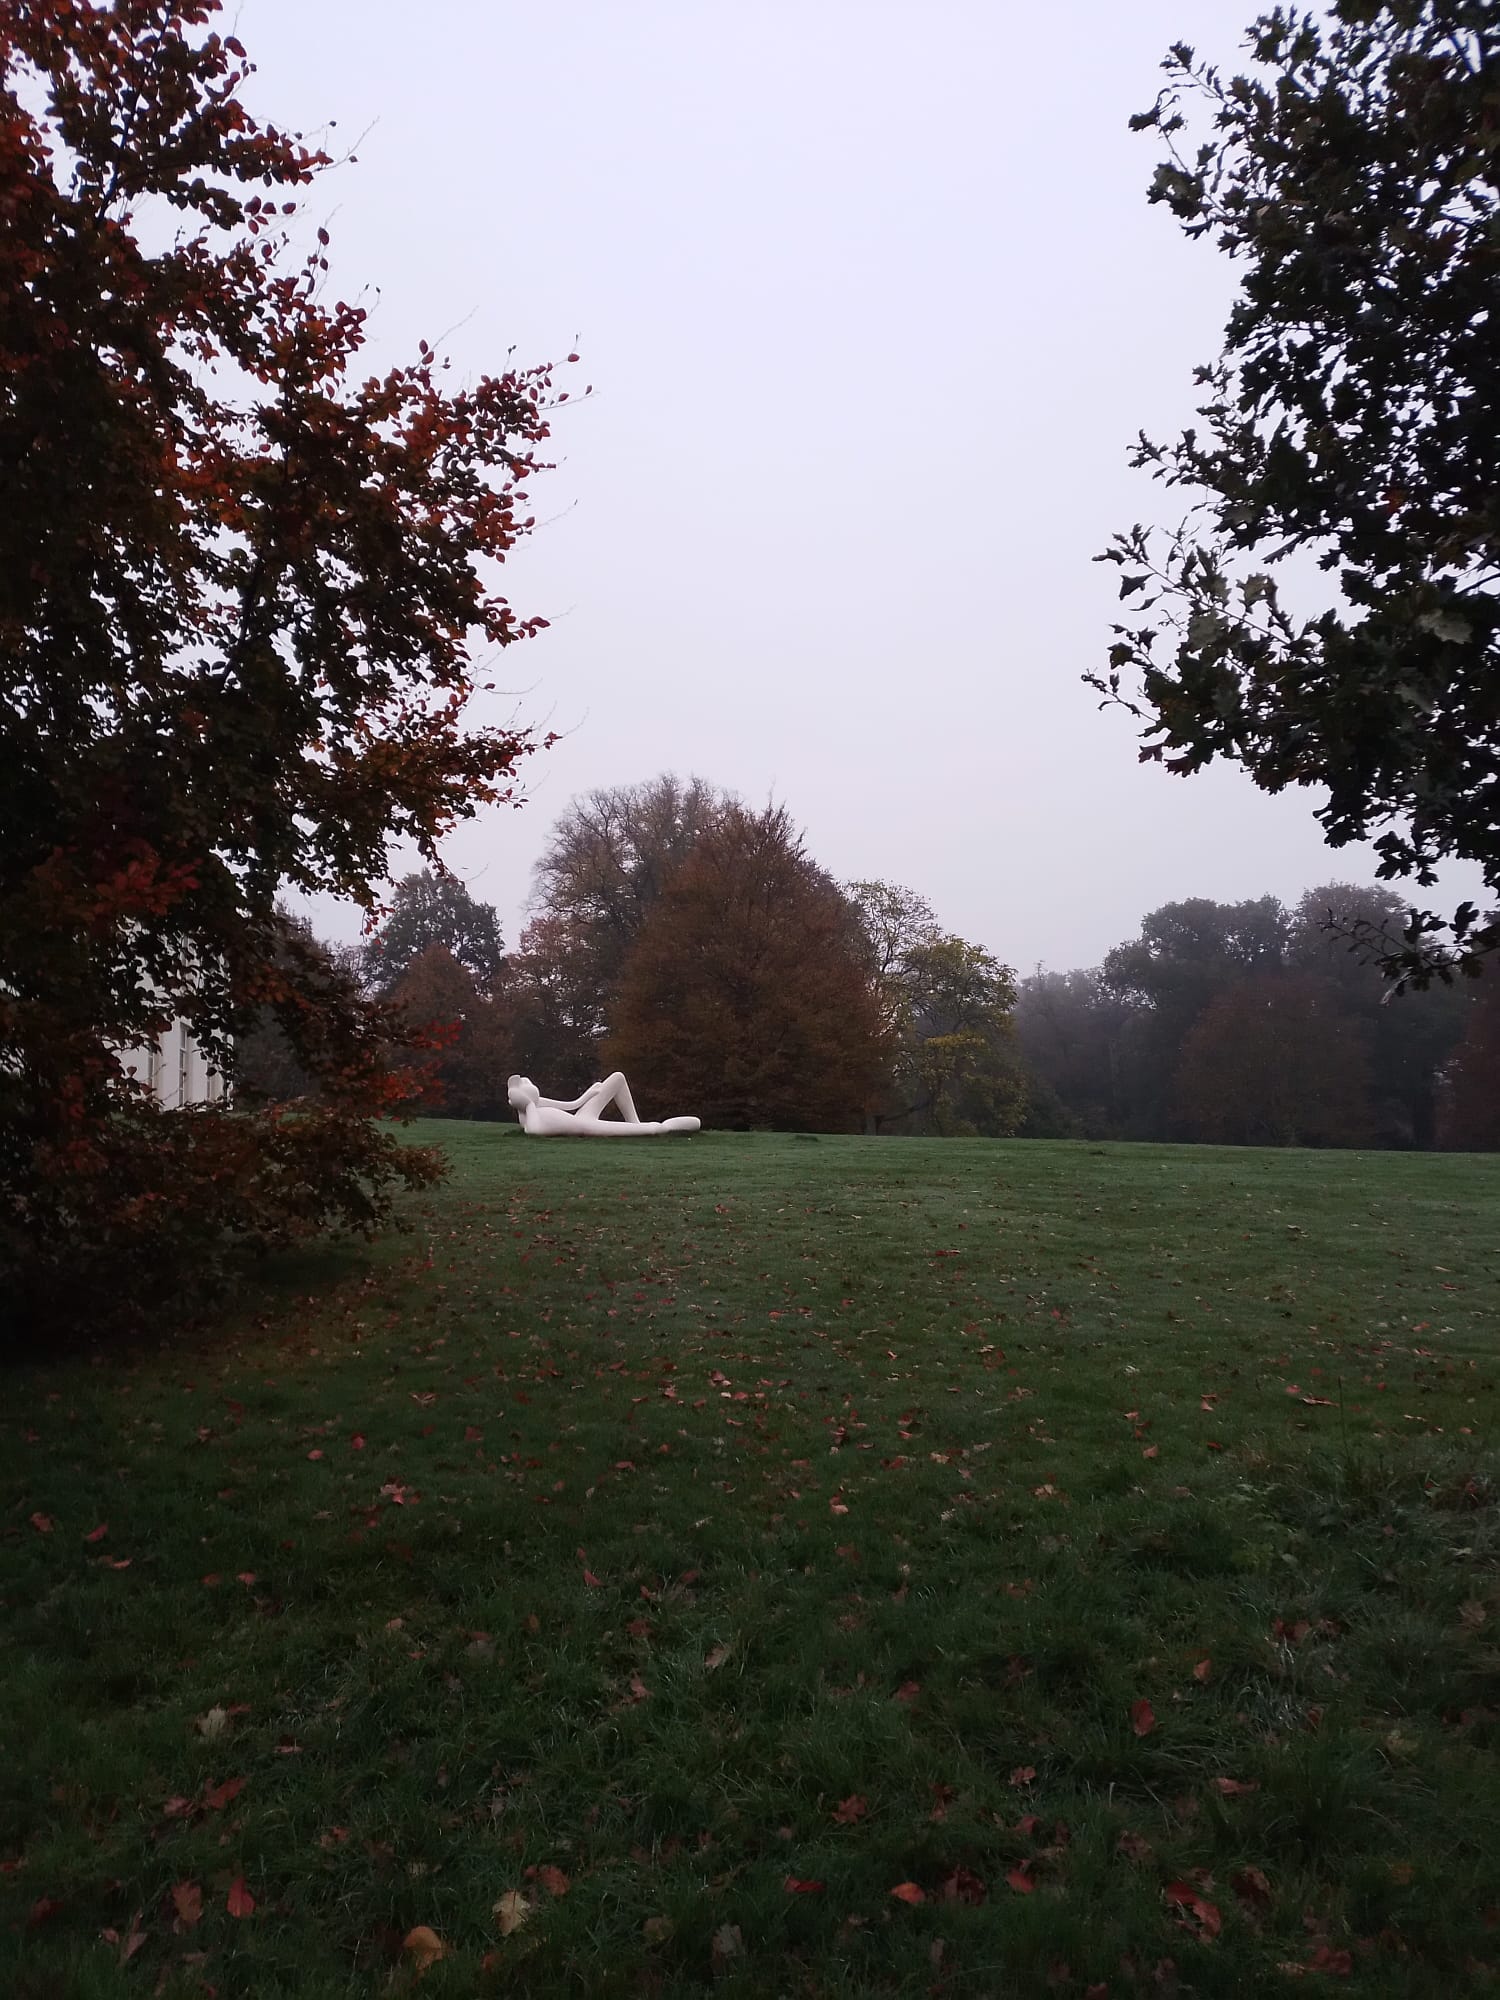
(668, 1552)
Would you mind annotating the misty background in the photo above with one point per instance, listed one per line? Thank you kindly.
(873, 305)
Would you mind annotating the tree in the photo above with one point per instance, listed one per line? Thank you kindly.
(945, 1020)
(1469, 1113)
(1187, 953)
(466, 1076)
(606, 862)
(1276, 1060)
(955, 1070)
(1410, 1034)
(1349, 427)
(1069, 1027)
(241, 588)
(549, 1005)
(747, 997)
(429, 909)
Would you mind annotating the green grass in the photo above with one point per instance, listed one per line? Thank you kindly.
(706, 1487)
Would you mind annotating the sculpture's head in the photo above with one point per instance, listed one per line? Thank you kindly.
(520, 1091)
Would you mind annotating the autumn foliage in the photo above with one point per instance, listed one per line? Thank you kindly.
(748, 996)
(241, 586)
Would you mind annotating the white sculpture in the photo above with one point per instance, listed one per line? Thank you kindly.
(583, 1117)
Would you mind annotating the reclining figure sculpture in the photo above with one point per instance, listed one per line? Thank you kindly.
(583, 1117)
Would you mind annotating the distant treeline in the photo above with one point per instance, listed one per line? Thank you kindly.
(1250, 1024)
(694, 943)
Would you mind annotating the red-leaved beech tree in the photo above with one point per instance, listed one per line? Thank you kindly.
(243, 587)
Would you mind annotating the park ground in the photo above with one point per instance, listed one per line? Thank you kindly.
(780, 1566)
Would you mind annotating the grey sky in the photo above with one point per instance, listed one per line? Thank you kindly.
(873, 304)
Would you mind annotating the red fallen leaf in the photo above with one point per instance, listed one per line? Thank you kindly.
(1203, 1669)
(1251, 1886)
(907, 1692)
(315, 1454)
(97, 1534)
(638, 1689)
(473, 1434)
(962, 1886)
(1214, 1445)
(1135, 1847)
(639, 1628)
(1151, 1451)
(795, 1886)
(588, 1575)
(1023, 1774)
(247, 1577)
(187, 1900)
(1231, 1788)
(553, 1880)
(239, 1902)
(1020, 1880)
(1326, 1959)
(43, 1523)
(1028, 1825)
(212, 1580)
(218, 1796)
(1142, 1717)
(908, 1892)
(356, 1443)
(851, 1810)
(1291, 1634)
(1183, 1896)
(177, 1808)
(122, 1563)
(43, 1908)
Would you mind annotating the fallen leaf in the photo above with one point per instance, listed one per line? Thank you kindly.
(1023, 1774)
(43, 1523)
(1020, 1880)
(423, 1947)
(218, 1796)
(716, 1658)
(553, 1880)
(187, 1900)
(1251, 1886)
(657, 1930)
(1203, 1669)
(727, 1943)
(1231, 1788)
(849, 1811)
(239, 1902)
(511, 1911)
(1327, 1959)
(97, 1534)
(213, 1723)
(1204, 1916)
(908, 1892)
(1135, 1847)
(907, 1692)
(1142, 1717)
(796, 1886)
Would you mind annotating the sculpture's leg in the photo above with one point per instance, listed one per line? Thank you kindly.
(615, 1090)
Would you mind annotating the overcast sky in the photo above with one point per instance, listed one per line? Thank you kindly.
(873, 304)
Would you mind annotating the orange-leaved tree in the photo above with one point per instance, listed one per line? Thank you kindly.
(749, 996)
(241, 589)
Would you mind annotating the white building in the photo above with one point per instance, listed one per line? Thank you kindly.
(176, 1069)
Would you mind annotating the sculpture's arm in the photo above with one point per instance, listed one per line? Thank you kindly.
(568, 1103)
